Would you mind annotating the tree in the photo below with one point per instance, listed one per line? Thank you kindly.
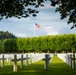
(25, 8)
(18, 8)
(66, 8)
(6, 35)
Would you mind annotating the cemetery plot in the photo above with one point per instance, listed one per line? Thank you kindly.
(69, 59)
(56, 67)
(15, 58)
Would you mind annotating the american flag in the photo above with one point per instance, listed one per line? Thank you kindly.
(37, 25)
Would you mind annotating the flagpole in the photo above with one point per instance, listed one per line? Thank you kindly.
(34, 31)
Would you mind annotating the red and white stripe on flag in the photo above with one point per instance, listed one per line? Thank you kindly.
(37, 25)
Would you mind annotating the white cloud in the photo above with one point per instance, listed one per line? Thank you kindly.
(48, 18)
(47, 27)
(50, 30)
(19, 20)
(52, 33)
(20, 35)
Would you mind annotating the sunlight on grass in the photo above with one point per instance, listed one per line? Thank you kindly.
(56, 67)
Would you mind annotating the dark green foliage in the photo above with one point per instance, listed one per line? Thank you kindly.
(19, 8)
(10, 45)
(6, 35)
(1, 46)
(25, 8)
(59, 43)
(66, 8)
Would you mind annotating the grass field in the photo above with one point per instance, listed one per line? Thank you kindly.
(56, 67)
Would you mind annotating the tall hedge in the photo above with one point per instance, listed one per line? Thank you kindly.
(66, 42)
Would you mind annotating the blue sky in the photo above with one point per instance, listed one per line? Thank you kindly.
(50, 22)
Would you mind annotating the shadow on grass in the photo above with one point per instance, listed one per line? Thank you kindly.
(56, 67)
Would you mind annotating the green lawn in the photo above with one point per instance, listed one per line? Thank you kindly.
(56, 67)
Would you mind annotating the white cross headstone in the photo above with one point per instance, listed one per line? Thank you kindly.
(8, 58)
(71, 59)
(21, 62)
(22, 59)
(46, 59)
(15, 63)
(26, 59)
(2, 60)
(30, 59)
(73, 62)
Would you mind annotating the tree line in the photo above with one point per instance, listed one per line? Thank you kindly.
(5, 35)
(59, 43)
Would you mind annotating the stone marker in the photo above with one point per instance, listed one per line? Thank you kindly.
(8, 59)
(27, 59)
(69, 60)
(47, 60)
(21, 62)
(2, 61)
(22, 59)
(30, 59)
(15, 63)
(73, 62)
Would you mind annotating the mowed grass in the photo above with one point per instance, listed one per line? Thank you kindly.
(56, 67)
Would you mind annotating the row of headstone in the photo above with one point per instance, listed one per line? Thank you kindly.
(62, 56)
(26, 57)
(34, 57)
(69, 59)
(22, 57)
